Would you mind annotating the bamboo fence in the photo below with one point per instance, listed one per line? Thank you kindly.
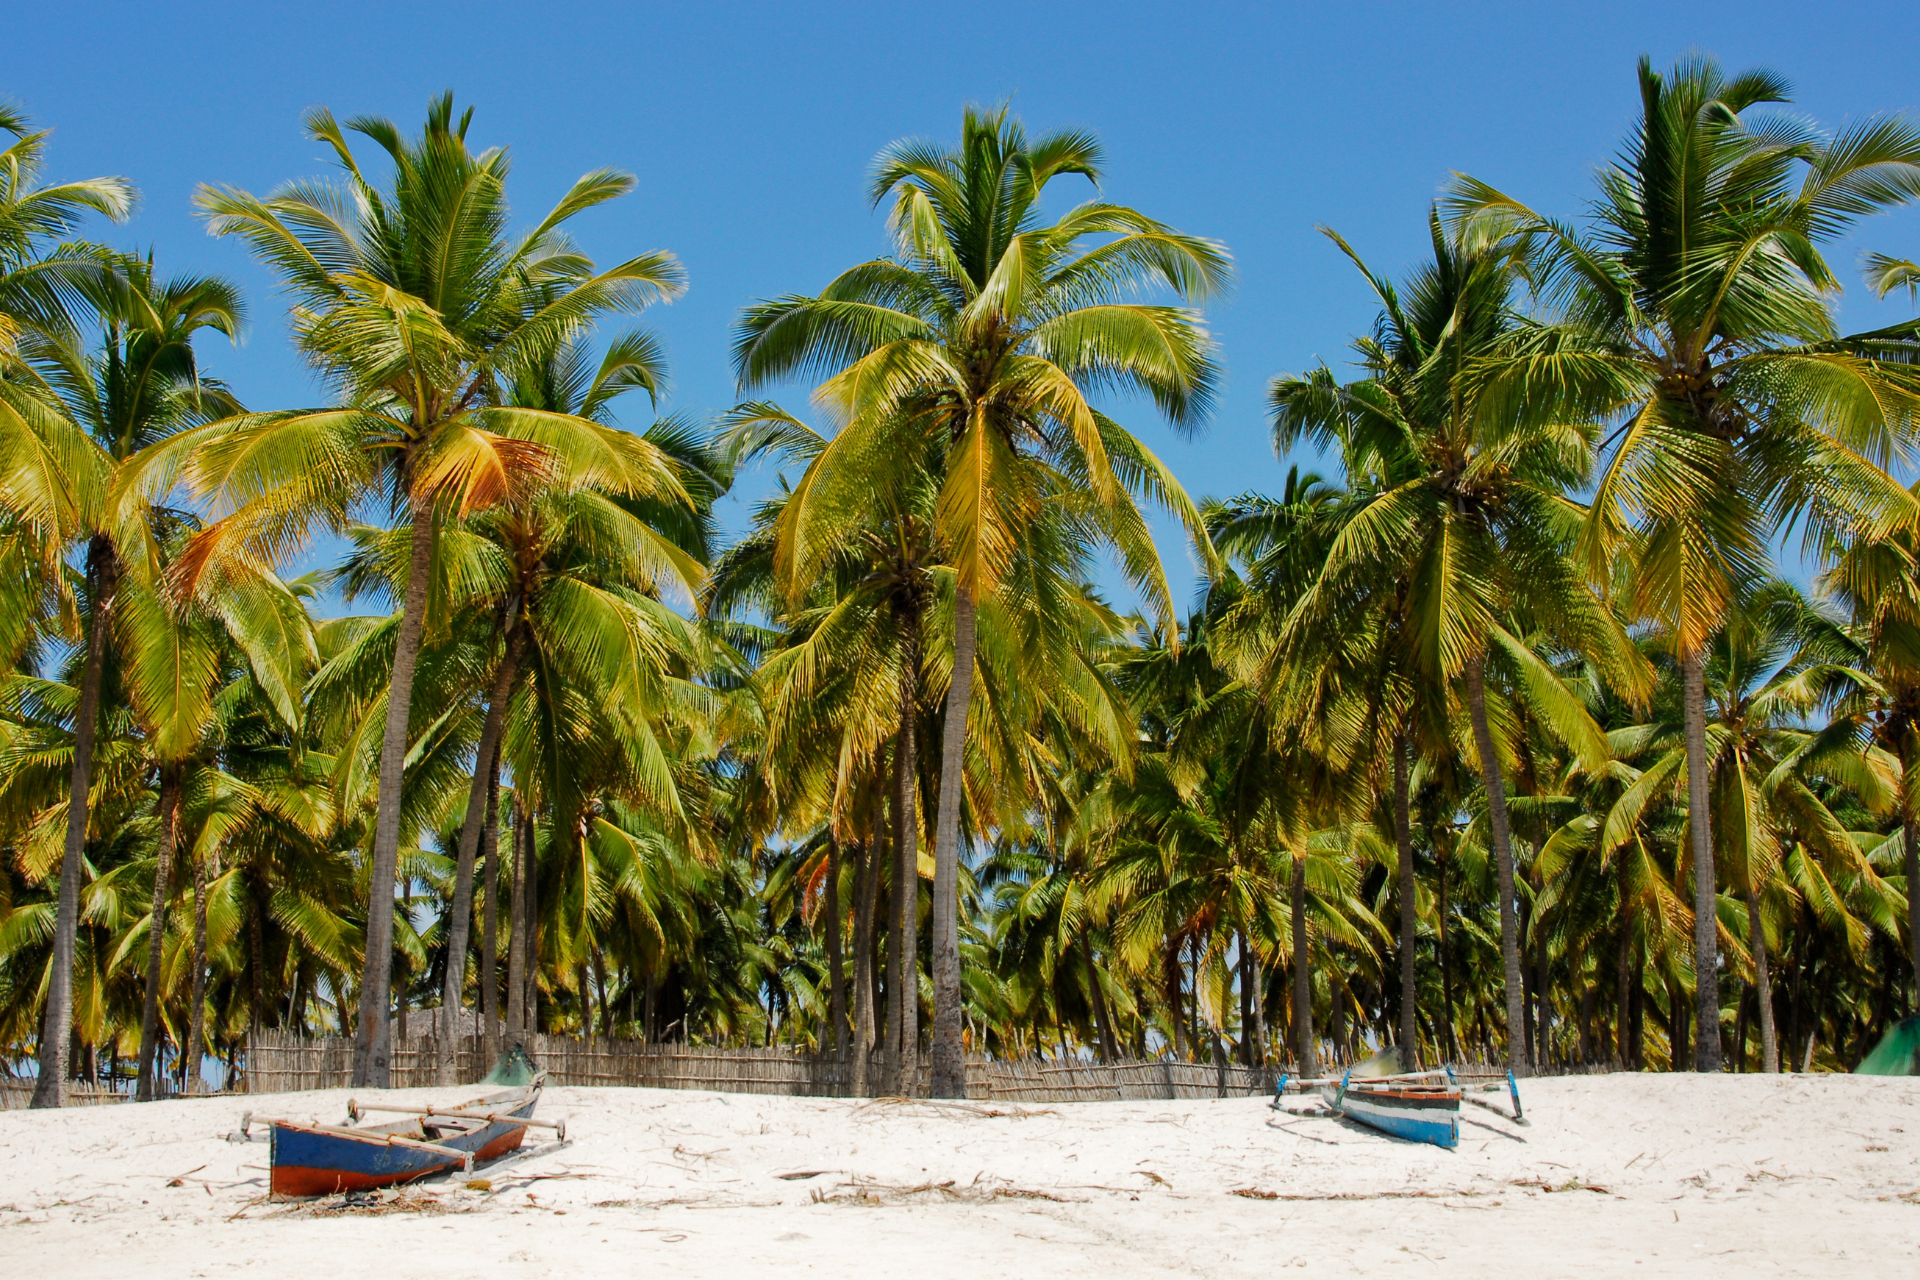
(17, 1095)
(280, 1061)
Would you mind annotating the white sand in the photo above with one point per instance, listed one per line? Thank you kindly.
(1627, 1175)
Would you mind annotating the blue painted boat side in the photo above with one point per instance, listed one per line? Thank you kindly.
(306, 1149)
(1441, 1128)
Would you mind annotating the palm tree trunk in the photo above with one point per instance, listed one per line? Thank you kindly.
(532, 915)
(1623, 998)
(600, 987)
(257, 949)
(1409, 912)
(949, 1057)
(836, 969)
(1636, 1011)
(1246, 992)
(169, 807)
(1706, 948)
(1496, 787)
(1526, 991)
(56, 1023)
(1450, 1040)
(863, 983)
(460, 915)
(370, 1045)
(1543, 1022)
(1254, 1026)
(489, 922)
(1678, 1051)
(1194, 1038)
(197, 1010)
(903, 981)
(1109, 1046)
(1172, 978)
(1762, 985)
(1306, 1058)
(405, 1000)
(517, 930)
(1337, 1018)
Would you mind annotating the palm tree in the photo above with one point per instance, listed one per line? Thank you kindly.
(977, 344)
(1698, 305)
(183, 698)
(1771, 670)
(142, 384)
(1875, 578)
(419, 308)
(1275, 549)
(1463, 517)
(844, 680)
(41, 272)
(1211, 829)
(522, 539)
(142, 387)
(183, 674)
(53, 486)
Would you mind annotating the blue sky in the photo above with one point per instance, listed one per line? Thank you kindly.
(751, 127)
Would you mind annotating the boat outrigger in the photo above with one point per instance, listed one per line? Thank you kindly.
(311, 1159)
(1420, 1106)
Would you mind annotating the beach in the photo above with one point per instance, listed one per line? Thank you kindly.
(1629, 1174)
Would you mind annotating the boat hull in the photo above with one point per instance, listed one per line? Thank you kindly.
(1418, 1115)
(308, 1162)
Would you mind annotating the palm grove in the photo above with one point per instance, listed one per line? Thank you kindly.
(1503, 740)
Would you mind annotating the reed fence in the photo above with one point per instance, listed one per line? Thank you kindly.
(279, 1061)
(17, 1095)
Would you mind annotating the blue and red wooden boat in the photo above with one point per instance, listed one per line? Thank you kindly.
(1422, 1106)
(319, 1159)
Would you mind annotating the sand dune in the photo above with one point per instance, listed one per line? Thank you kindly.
(1638, 1175)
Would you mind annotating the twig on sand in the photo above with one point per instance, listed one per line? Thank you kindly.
(241, 1212)
(1571, 1184)
(181, 1179)
(968, 1108)
(685, 1154)
(1258, 1193)
(869, 1191)
(685, 1202)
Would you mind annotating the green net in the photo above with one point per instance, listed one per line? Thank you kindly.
(1898, 1053)
(510, 1069)
(1384, 1063)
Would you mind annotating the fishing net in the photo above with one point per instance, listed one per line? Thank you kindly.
(1384, 1063)
(1898, 1053)
(512, 1068)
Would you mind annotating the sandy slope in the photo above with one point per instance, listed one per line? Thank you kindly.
(1637, 1175)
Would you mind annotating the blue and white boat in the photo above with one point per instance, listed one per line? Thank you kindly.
(1416, 1112)
(1421, 1106)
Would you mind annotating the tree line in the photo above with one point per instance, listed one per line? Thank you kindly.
(1506, 739)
